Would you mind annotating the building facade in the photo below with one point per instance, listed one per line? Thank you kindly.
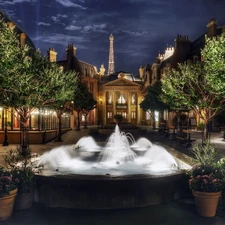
(116, 93)
(120, 93)
(184, 50)
(42, 123)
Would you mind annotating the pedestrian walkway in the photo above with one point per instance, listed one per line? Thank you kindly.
(172, 213)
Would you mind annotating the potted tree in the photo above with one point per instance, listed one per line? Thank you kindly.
(221, 163)
(23, 172)
(206, 179)
(8, 193)
(118, 119)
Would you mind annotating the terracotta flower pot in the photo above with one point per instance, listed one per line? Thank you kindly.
(223, 201)
(206, 203)
(7, 204)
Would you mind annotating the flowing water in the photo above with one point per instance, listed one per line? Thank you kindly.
(121, 155)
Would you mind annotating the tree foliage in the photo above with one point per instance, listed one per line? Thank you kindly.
(89, 104)
(152, 101)
(28, 80)
(83, 101)
(189, 87)
(63, 84)
(214, 62)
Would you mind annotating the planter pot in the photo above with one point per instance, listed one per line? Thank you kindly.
(206, 203)
(24, 200)
(7, 204)
(223, 201)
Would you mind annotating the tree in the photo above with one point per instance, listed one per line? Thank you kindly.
(79, 99)
(188, 87)
(213, 56)
(152, 101)
(63, 92)
(83, 102)
(28, 80)
(89, 104)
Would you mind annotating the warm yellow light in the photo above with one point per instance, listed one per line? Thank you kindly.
(100, 99)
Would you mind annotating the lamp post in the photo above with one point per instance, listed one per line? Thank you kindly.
(5, 142)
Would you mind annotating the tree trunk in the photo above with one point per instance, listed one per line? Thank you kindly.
(78, 120)
(153, 120)
(59, 128)
(85, 123)
(24, 141)
(205, 133)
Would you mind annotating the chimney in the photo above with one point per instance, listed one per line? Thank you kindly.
(11, 25)
(52, 55)
(70, 51)
(22, 39)
(141, 72)
(212, 28)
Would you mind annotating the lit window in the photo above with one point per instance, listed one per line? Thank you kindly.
(133, 115)
(156, 116)
(83, 118)
(147, 116)
(109, 115)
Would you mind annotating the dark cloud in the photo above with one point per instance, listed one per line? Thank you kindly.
(141, 28)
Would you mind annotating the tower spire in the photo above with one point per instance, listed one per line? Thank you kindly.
(111, 66)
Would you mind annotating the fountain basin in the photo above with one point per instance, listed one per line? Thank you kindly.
(122, 174)
(107, 192)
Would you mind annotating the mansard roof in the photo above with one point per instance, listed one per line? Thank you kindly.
(17, 29)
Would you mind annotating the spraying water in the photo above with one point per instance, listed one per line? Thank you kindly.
(120, 156)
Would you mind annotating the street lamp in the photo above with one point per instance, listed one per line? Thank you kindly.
(5, 142)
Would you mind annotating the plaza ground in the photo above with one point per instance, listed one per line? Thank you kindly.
(176, 212)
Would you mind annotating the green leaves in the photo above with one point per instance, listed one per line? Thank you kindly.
(214, 62)
(188, 87)
(152, 100)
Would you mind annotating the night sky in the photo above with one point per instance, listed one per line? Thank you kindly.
(141, 28)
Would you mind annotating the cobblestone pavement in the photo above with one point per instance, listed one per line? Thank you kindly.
(180, 212)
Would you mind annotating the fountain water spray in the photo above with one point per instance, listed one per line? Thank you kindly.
(121, 155)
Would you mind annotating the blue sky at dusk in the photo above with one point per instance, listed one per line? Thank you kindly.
(141, 28)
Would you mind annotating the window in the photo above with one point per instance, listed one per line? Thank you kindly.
(121, 99)
(156, 116)
(124, 115)
(1, 116)
(109, 115)
(133, 98)
(147, 115)
(109, 98)
(34, 120)
(133, 115)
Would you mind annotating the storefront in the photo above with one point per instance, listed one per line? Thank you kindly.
(42, 125)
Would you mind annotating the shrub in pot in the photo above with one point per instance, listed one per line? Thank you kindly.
(22, 171)
(221, 163)
(206, 179)
(8, 193)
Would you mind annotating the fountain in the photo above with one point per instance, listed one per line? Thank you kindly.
(122, 173)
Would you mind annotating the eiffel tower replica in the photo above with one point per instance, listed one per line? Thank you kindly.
(111, 67)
